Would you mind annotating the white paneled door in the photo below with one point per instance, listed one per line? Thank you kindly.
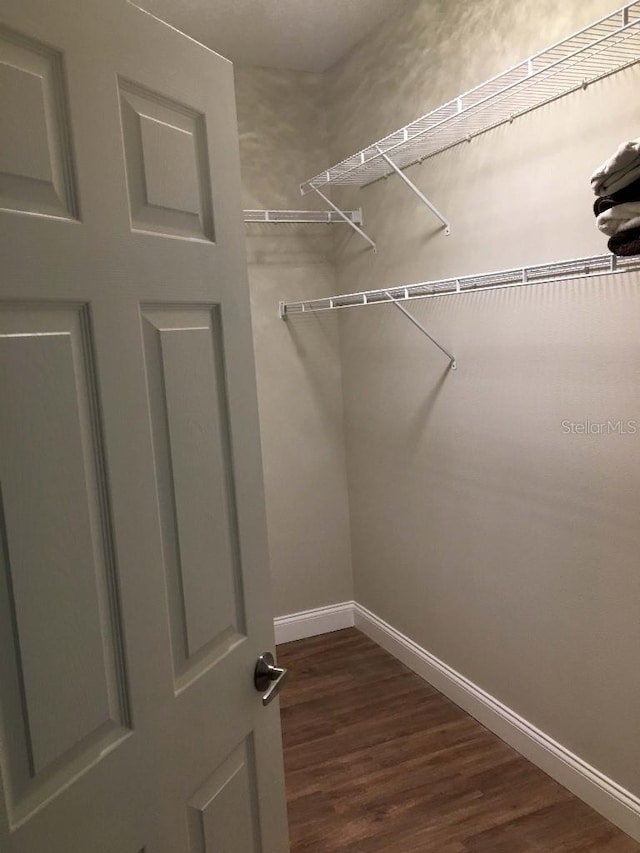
(133, 560)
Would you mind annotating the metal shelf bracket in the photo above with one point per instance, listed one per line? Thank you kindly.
(349, 221)
(414, 189)
(418, 325)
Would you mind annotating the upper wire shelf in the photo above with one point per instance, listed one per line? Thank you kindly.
(581, 268)
(328, 217)
(607, 46)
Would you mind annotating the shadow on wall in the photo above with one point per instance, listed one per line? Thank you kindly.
(412, 63)
(283, 135)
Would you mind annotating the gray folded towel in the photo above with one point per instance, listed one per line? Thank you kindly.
(619, 170)
(621, 217)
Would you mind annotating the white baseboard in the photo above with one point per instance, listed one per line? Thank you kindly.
(618, 805)
(310, 623)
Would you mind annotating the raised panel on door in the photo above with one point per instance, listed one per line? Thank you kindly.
(63, 687)
(36, 173)
(223, 813)
(188, 406)
(165, 145)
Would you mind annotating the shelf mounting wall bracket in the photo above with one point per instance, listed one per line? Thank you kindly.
(346, 218)
(418, 325)
(414, 188)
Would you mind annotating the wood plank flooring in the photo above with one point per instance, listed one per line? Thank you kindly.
(377, 760)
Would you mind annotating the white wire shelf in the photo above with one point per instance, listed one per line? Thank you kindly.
(607, 46)
(328, 217)
(581, 268)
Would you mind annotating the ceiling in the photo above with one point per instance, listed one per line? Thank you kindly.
(301, 35)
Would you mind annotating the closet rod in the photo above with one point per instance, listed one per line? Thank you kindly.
(595, 266)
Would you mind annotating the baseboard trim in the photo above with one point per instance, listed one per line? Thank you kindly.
(613, 801)
(310, 623)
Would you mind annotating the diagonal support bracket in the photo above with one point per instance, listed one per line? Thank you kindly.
(344, 216)
(418, 325)
(414, 189)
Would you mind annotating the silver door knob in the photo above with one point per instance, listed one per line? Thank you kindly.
(269, 678)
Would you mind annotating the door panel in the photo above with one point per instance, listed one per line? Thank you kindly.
(194, 479)
(35, 157)
(134, 589)
(223, 814)
(167, 165)
(64, 682)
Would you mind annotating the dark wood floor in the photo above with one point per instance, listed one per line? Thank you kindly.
(377, 760)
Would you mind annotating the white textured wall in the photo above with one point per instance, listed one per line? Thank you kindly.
(283, 139)
(502, 545)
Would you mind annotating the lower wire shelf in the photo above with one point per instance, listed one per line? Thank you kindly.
(307, 217)
(595, 266)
